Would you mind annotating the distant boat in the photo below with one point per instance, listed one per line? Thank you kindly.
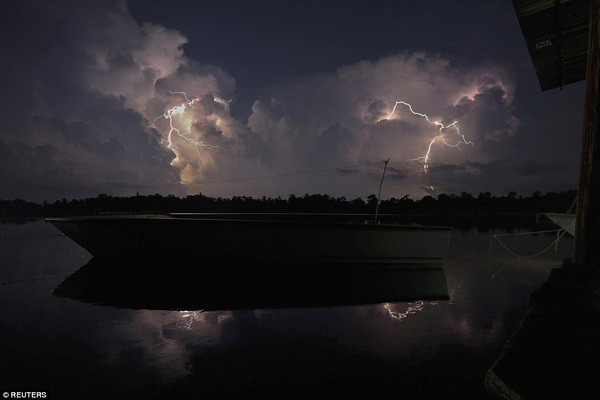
(564, 221)
(287, 237)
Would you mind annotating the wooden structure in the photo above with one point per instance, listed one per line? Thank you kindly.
(562, 37)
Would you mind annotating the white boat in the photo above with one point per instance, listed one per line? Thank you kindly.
(286, 237)
(564, 221)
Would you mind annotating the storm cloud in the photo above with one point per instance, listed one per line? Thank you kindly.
(95, 102)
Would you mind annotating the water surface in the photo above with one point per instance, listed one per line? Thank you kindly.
(111, 347)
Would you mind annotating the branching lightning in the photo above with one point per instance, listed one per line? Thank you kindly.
(180, 110)
(441, 134)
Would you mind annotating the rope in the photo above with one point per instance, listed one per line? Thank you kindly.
(528, 233)
(559, 234)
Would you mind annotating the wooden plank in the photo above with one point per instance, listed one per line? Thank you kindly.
(587, 231)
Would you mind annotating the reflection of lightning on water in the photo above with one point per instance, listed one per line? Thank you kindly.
(441, 135)
(412, 308)
(188, 318)
(180, 110)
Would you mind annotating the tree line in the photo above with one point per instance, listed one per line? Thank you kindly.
(443, 204)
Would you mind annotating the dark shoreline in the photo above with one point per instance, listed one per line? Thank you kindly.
(442, 204)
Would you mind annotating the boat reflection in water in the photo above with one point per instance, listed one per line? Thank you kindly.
(176, 284)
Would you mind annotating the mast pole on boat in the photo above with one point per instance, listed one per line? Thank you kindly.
(385, 163)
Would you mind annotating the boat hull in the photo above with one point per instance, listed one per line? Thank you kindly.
(248, 239)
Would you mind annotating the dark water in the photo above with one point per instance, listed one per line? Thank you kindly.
(222, 338)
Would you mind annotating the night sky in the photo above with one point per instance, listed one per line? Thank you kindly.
(272, 98)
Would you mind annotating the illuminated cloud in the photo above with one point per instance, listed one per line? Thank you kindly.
(340, 118)
(90, 116)
(82, 115)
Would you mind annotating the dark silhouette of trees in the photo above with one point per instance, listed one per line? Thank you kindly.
(481, 207)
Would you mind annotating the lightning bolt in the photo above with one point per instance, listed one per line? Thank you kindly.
(441, 134)
(180, 110)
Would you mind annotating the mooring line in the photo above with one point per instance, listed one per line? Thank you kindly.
(528, 233)
(559, 234)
